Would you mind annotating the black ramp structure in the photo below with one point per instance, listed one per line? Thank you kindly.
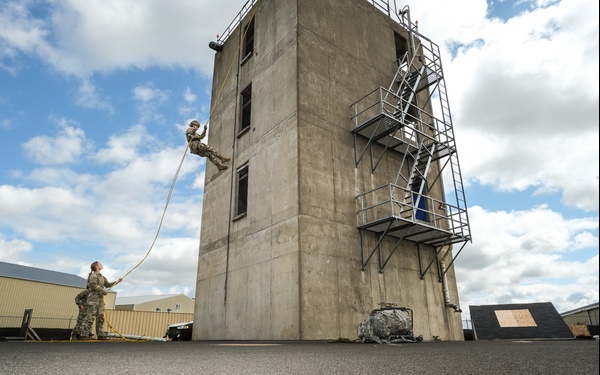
(518, 322)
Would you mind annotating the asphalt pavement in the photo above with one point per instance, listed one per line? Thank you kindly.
(298, 357)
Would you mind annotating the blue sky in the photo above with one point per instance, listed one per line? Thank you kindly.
(95, 96)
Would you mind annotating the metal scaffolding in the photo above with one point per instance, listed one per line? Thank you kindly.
(411, 119)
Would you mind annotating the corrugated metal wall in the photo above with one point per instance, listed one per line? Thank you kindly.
(589, 317)
(143, 323)
(186, 305)
(49, 300)
(54, 307)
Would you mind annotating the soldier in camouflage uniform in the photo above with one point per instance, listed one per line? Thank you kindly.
(95, 285)
(81, 302)
(201, 149)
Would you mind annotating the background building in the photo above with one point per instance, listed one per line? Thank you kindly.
(336, 116)
(179, 303)
(51, 296)
(583, 321)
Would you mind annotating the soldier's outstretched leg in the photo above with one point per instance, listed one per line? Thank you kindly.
(214, 154)
(211, 156)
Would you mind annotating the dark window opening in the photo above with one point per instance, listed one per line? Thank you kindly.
(242, 191)
(249, 39)
(246, 109)
(408, 102)
(401, 46)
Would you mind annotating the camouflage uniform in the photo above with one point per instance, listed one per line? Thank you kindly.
(81, 302)
(201, 149)
(95, 285)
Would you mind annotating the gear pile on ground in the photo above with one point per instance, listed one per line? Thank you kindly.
(388, 325)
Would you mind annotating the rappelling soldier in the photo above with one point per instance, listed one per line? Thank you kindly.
(201, 149)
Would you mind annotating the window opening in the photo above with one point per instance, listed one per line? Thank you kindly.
(249, 39)
(412, 114)
(246, 108)
(242, 191)
(401, 46)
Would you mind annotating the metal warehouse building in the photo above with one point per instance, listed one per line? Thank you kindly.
(50, 295)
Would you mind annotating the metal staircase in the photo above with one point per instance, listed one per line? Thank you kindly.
(410, 119)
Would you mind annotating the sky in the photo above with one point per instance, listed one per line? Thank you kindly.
(95, 96)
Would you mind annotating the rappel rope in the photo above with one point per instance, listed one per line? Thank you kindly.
(175, 179)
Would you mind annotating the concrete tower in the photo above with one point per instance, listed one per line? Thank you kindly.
(336, 117)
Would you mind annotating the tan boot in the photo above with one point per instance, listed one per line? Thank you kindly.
(224, 159)
(222, 167)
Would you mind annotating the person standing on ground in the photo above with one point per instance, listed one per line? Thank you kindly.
(95, 285)
(201, 149)
(81, 302)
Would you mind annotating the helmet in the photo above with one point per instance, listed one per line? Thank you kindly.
(195, 123)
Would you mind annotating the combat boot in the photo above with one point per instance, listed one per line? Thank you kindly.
(224, 159)
(222, 167)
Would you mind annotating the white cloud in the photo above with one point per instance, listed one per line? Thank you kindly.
(76, 41)
(11, 250)
(87, 96)
(147, 93)
(19, 33)
(149, 101)
(516, 254)
(189, 96)
(188, 109)
(525, 101)
(123, 148)
(66, 147)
